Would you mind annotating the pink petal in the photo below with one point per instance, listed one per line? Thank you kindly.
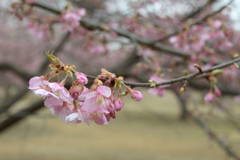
(105, 91)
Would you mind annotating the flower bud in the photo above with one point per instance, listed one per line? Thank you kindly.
(152, 85)
(76, 90)
(111, 107)
(113, 115)
(217, 72)
(209, 97)
(182, 89)
(136, 95)
(217, 91)
(107, 82)
(124, 93)
(236, 65)
(81, 78)
(118, 104)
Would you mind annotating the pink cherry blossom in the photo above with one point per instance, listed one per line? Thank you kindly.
(98, 99)
(99, 116)
(85, 91)
(40, 87)
(60, 91)
(55, 105)
(77, 117)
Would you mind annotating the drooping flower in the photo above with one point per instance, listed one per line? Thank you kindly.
(59, 107)
(60, 91)
(78, 116)
(97, 103)
(40, 86)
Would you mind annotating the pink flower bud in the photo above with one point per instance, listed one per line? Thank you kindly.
(113, 115)
(111, 107)
(136, 95)
(209, 97)
(107, 82)
(118, 104)
(76, 90)
(217, 92)
(75, 95)
(108, 117)
(81, 78)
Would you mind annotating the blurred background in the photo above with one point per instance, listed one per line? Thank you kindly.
(151, 129)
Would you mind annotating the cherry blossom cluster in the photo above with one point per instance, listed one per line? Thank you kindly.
(80, 104)
(41, 27)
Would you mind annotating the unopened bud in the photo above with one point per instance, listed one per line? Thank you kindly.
(198, 67)
(236, 55)
(236, 65)
(182, 89)
(185, 72)
(217, 72)
(124, 93)
(153, 85)
(150, 81)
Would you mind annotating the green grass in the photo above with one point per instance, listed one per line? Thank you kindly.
(145, 130)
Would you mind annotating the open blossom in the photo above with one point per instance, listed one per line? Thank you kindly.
(96, 104)
(43, 88)
(60, 91)
(40, 31)
(58, 107)
(39, 85)
(78, 115)
(159, 90)
(71, 19)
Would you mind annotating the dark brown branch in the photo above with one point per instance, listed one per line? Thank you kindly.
(26, 77)
(17, 70)
(12, 100)
(21, 115)
(214, 137)
(92, 25)
(197, 11)
(188, 77)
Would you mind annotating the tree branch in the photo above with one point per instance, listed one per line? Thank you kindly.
(17, 70)
(194, 13)
(210, 133)
(195, 23)
(91, 25)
